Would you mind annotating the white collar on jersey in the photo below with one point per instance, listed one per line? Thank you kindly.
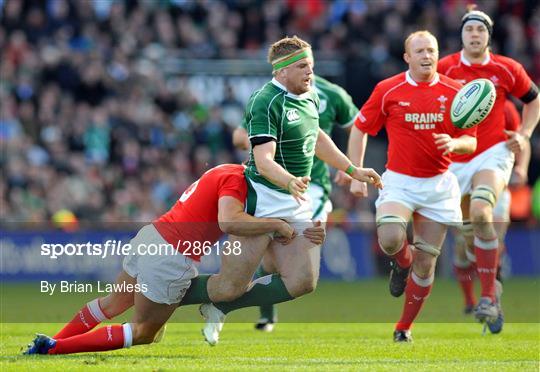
(411, 81)
(466, 62)
(289, 94)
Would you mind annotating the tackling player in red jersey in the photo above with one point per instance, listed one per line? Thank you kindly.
(212, 205)
(484, 174)
(414, 107)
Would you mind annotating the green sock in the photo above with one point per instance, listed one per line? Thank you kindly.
(268, 312)
(197, 292)
(267, 290)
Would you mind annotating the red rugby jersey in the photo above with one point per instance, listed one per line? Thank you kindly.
(194, 217)
(508, 76)
(411, 113)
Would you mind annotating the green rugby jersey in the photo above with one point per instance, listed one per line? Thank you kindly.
(336, 107)
(292, 120)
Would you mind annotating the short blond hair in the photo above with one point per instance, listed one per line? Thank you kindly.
(286, 46)
(425, 33)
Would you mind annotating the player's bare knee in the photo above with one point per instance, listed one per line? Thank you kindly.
(392, 232)
(391, 243)
(301, 284)
(482, 214)
(483, 200)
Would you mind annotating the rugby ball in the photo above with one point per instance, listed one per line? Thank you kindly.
(473, 103)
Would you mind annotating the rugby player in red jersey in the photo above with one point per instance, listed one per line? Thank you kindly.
(464, 268)
(155, 284)
(414, 107)
(484, 174)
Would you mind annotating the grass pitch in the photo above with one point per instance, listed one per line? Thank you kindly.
(326, 343)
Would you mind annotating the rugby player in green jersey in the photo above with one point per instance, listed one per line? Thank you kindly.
(282, 122)
(335, 108)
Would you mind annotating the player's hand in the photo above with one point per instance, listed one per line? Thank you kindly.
(444, 142)
(359, 189)
(368, 175)
(516, 141)
(519, 177)
(315, 234)
(284, 233)
(342, 178)
(297, 186)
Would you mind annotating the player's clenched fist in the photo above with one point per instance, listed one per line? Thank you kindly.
(297, 186)
(516, 142)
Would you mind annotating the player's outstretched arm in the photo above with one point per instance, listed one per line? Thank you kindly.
(356, 150)
(461, 145)
(275, 173)
(327, 151)
(233, 220)
(240, 139)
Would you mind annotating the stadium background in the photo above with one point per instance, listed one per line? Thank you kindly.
(110, 109)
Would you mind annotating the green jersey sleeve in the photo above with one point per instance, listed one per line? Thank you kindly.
(261, 118)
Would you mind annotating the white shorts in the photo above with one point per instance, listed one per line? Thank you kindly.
(166, 276)
(501, 211)
(436, 198)
(497, 158)
(320, 204)
(269, 203)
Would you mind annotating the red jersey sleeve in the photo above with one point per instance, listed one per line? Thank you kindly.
(443, 65)
(235, 187)
(371, 118)
(522, 81)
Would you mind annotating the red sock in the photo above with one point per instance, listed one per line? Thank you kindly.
(465, 278)
(85, 320)
(415, 294)
(110, 337)
(404, 256)
(486, 264)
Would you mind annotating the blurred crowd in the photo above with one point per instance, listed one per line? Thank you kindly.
(91, 127)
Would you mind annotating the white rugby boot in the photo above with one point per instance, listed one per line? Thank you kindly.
(214, 319)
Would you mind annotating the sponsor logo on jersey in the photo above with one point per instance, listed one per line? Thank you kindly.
(404, 104)
(292, 115)
(424, 121)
